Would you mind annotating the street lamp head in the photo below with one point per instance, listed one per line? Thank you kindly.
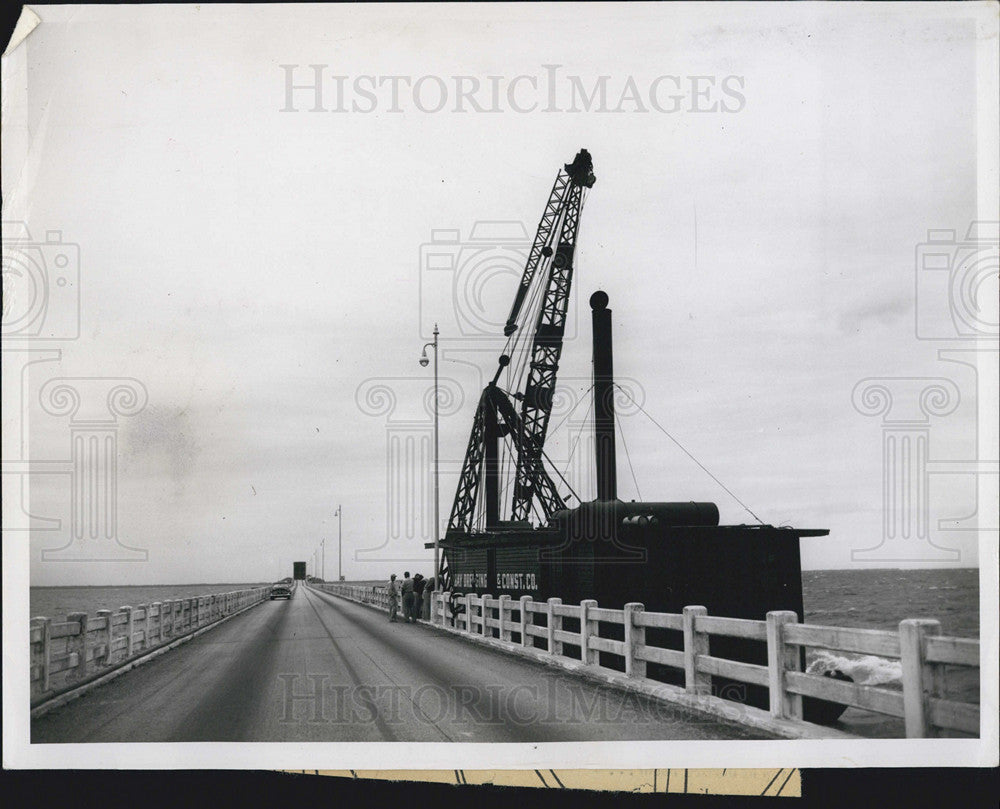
(423, 357)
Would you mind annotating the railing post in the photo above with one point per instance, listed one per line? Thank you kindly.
(635, 637)
(46, 626)
(588, 628)
(527, 619)
(105, 636)
(554, 622)
(79, 643)
(918, 675)
(502, 613)
(468, 611)
(782, 657)
(484, 611)
(129, 629)
(145, 626)
(159, 621)
(695, 643)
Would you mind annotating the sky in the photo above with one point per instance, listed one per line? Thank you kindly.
(259, 269)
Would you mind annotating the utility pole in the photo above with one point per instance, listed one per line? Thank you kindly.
(437, 519)
(340, 542)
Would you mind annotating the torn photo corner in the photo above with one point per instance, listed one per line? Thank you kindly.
(501, 387)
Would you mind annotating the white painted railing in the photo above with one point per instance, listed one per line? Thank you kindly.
(918, 645)
(375, 595)
(65, 654)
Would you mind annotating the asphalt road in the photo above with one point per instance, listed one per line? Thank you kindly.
(319, 668)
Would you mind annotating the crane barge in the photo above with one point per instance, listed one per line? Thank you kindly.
(666, 555)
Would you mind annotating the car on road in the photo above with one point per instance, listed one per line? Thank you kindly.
(280, 590)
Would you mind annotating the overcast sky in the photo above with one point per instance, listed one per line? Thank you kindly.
(262, 270)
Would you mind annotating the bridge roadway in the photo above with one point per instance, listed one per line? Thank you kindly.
(319, 668)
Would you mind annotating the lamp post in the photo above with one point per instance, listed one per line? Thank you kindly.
(437, 523)
(340, 542)
(322, 568)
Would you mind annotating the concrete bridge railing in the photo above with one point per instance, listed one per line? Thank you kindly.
(375, 595)
(67, 654)
(924, 653)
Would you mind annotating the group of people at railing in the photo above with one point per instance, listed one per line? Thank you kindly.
(415, 595)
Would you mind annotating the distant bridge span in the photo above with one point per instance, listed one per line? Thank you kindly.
(320, 668)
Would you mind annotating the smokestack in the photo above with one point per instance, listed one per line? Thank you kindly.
(604, 399)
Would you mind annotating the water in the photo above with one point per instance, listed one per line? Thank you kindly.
(58, 602)
(880, 599)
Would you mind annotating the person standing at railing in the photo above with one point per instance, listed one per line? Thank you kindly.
(419, 582)
(392, 591)
(407, 590)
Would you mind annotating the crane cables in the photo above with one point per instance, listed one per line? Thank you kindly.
(685, 451)
(628, 457)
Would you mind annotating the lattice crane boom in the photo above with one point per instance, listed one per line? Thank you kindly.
(496, 416)
(536, 403)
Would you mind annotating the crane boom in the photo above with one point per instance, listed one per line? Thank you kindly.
(540, 248)
(536, 401)
(496, 416)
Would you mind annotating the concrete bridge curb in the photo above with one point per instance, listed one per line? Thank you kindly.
(125, 666)
(726, 710)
